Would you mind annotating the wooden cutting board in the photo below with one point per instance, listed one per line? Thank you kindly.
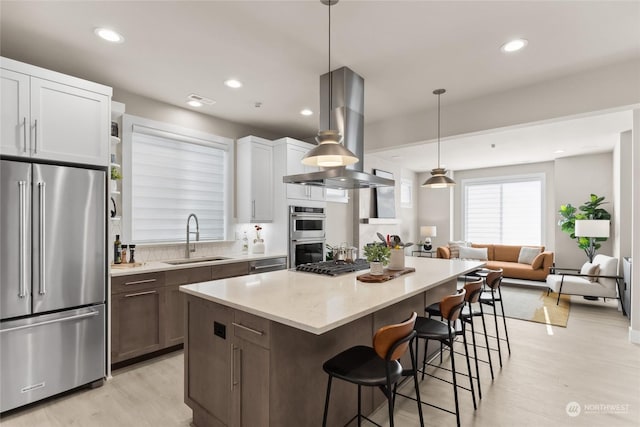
(386, 275)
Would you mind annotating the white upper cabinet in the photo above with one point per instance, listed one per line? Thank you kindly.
(290, 153)
(254, 180)
(48, 115)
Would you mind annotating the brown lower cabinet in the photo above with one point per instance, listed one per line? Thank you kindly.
(147, 310)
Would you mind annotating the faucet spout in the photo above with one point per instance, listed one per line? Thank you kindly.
(188, 249)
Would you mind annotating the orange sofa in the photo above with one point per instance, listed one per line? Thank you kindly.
(506, 258)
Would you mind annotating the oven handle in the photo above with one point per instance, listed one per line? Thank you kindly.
(314, 240)
(308, 215)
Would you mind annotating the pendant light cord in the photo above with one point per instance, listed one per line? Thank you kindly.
(438, 131)
(329, 69)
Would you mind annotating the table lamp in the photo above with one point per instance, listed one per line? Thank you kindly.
(592, 228)
(428, 231)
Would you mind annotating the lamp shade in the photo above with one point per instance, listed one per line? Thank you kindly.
(592, 228)
(439, 179)
(428, 231)
(329, 152)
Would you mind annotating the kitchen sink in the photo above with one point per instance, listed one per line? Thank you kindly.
(195, 260)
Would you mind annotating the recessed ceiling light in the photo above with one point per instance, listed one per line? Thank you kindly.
(514, 45)
(233, 83)
(558, 151)
(109, 35)
(306, 112)
(194, 103)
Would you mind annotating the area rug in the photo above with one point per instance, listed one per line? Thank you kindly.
(534, 305)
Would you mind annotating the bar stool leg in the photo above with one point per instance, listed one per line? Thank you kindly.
(504, 320)
(466, 354)
(326, 403)
(475, 353)
(495, 321)
(486, 341)
(360, 405)
(415, 383)
(424, 357)
(455, 385)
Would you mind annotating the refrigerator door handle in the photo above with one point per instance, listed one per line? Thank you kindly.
(48, 322)
(22, 230)
(43, 284)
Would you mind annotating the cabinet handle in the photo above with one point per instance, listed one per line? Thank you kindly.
(139, 294)
(246, 328)
(253, 209)
(139, 282)
(35, 145)
(43, 284)
(22, 240)
(262, 267)
(233, 366)
(24, 134)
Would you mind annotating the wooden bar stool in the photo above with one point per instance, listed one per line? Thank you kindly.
(491, 297)
(376, 366)
(444, 332)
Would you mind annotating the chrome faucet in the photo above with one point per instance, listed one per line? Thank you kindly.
(197, 233)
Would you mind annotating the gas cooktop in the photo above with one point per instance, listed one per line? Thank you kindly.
(333, 268)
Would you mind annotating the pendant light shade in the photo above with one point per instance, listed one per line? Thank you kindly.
(329, 152)
(439, 178)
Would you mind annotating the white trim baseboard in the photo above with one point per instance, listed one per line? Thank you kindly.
(634, 336)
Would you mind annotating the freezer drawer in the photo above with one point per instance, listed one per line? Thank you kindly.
(45, 355)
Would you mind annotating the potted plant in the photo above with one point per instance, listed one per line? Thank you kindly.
(590, 210)
(115, 175)
(378, 256)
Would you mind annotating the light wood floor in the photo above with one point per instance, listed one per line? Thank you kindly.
(590, 362)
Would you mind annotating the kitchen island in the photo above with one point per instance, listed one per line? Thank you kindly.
(255, 345)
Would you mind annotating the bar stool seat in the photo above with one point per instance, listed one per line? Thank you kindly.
(362, 365)
(433, 329)
(376, 366)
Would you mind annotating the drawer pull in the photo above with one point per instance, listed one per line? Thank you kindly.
(246, 328)
(140, 293)
(139, 282)
(262, 267)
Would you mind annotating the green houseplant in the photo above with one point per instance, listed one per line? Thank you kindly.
(378, 256)
(589, 210)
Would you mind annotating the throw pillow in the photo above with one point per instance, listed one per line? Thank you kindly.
(590, 269)
(538, 261)
(527, 255)
(454, 247)
(473, 253)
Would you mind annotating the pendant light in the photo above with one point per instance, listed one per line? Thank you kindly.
(329, 152)
(439, 179)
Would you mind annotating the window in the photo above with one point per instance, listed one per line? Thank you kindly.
(170, 173)
(504, 210)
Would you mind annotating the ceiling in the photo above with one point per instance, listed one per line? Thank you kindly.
(278, 49)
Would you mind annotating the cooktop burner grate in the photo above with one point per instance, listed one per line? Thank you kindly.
(333, 268)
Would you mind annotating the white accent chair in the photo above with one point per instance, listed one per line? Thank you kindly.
(572, 282)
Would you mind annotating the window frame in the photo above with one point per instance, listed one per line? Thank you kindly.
(179, 133)
(505, 179)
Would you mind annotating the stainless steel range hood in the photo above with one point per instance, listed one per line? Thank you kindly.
(347, 116)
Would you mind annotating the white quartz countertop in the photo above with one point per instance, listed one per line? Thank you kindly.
(317, 303)
(153, 266)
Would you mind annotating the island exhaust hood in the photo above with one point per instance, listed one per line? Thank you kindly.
(348, 118)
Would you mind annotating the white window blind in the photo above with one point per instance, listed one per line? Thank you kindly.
(173, 176)
(503, 210)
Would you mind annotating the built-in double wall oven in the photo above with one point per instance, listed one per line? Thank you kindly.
(306, 235)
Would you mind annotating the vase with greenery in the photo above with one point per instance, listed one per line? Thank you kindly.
(377, 254)
(115, 176)
(589, 210)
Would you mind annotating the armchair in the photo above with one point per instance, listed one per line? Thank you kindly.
(573, 282)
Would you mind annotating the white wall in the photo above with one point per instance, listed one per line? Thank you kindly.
(634, 331)
(622, 198)
(576, 178)
(599, 89)
(339, 222)
(406, 226)
(434, 208)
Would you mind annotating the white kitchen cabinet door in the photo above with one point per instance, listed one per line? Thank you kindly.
(15, 135)
(69, 124)
(255, 180)
(295, 154)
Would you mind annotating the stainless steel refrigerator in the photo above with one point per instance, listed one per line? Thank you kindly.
(52, 280)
